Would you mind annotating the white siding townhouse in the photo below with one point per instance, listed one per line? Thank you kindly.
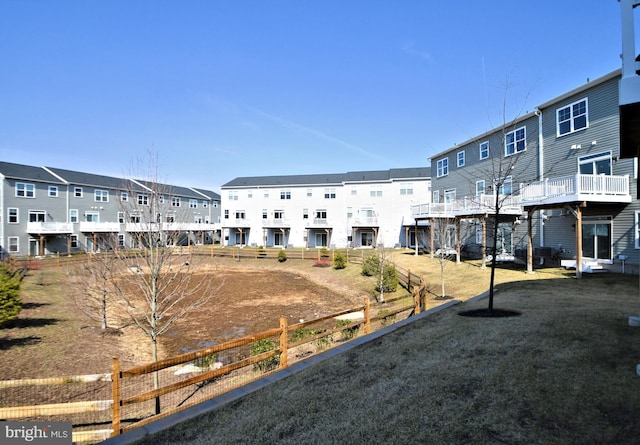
(48, 210)
(353, 209)
(567, 193)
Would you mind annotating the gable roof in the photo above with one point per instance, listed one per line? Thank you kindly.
(28, 173)
(89, 179)
(329, 178)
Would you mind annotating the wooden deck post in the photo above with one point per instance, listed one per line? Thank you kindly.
(115, 395)
(284, 343)
(416, 299)
(530, 241)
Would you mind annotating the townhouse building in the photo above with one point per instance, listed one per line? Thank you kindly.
(50, 210)
(564, 191)
(353, 209)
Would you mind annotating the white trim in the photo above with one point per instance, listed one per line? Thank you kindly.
(572, 118)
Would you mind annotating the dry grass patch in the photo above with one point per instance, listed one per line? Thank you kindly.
(562, 372)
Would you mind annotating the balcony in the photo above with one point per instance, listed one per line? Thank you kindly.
(367, 221)
(575, 188)
(468, 206)
(276, 223)
(321, 223)
(99, 227)
(49, 228)
(236, 222)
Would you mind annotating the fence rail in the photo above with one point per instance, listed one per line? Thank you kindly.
(130, 398)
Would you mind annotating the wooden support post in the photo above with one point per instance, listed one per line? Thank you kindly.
(115, 395)
(284, 343)
(458, 223)
(416, 299)
(367, 316)
(530, 241)
(432, 235)
(483, 221)
(578, 242)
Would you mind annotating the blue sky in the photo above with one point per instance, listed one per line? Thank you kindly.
(221, 89)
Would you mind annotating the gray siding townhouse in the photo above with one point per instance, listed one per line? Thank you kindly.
(566, 193)
(51, 210)
(355, 209)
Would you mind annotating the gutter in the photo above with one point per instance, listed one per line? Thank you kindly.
(538, 113)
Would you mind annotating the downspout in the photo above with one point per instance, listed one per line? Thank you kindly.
(540, 170)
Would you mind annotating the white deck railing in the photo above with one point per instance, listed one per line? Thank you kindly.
(576, 186)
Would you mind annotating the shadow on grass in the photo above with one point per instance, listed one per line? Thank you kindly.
(8, 343)
(489, 313)
(26, 306)
(20, 323)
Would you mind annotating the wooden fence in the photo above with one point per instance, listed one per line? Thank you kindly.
(145, 393)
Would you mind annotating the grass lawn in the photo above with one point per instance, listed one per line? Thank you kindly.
(562, 372)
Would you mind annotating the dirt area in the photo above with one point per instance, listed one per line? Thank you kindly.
(52, 337)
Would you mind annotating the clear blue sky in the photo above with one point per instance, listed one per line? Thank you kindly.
(221, 89)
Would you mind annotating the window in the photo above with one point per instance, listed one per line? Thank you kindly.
(25, 190)
(92, 217)
(77, 192)
(595, 164)
(637, 230)
(170, 218)
(193, 203)
(321, 214)
(285, 194)
(443, 167)
(460, 158)
(124, 196)
(197, 219)
(349, 212)
(134, 218)
(14, 244)
(73, 215)
(265, 214)
(233, 195)
(480, 188)
(278, 214)
(309, 193)
(266, 194)
(240, 214)
(121, 217)
(161, 199)
(12, 216)
(406, 188)
(354, 191)
(175, 201)
(506, 188)
(53, 191)
(376, 190)
(74, 241)
(205, 204)
(121, 240)
(436, 196)
(572, 118)
(101, 196)
(515, 141)
(484, 150)
(449, 196)
(330, 193)
(249, 194)
(305, 213)
(226, 214)
(143, 200)
(37, 216)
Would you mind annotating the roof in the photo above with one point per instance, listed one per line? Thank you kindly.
(28, 173)
(89, 179)
(330, 178)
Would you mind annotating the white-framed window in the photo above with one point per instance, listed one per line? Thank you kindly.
(309, 193)
(637, 229)
(595, 164)
(406, 188)
(226, 214)
(78, 192)
(170, 217)
(205, 204)
(24, 190)
(175, 201)
(449, 196)
(305, 213)
(435, 196)
(74, 241)
(143, 199)
(573, 117)
(73, 215)
(506, 188)
(14, 244)
(484, 150)
(53, 191)
(124, 196)
(240, 214)
(121, 240)
(375, 191)
(250, 194)
(278, 214)
(480, 188)
(101, 195)
(161, 199)
(460, 158)
(12, 216)
(92, 217)
(233, 195)
(135, 218)
(478, 233)
(37, 216)
(193, 203)
(349, 212)
(285, 194)
(121, 217)
(443, 167)
(216, 204)
(265, 214)
(515, 141)
(197, 219)
(330, 193)
(266, 194)
(321, 214)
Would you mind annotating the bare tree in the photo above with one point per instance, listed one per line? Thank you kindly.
(445, 238)
(158, 285)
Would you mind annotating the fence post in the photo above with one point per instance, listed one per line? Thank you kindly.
(408, 278)
(423, 295)
(367, 316)
(284, 343)
(416, 299)
(115, 395)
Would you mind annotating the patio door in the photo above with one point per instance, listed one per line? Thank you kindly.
(278, 239)
(321, 240)
(366, 239)
(505, 239)
(596, 238)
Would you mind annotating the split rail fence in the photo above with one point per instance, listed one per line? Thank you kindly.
(105, 405)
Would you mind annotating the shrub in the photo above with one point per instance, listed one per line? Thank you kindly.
(371, 265)
(389, 279)
(10, 303)
(386, 320)
(348, 333)
(339, 261)
(207, 361)
(322, 262)
(323, 343)
(282, 256)
(268, 364)
(324, 253)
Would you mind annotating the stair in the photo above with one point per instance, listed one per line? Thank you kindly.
(587, 266)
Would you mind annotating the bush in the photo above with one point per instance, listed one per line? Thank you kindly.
(324, 253)
(268, 364)
(339, 261)
(207, 361)
(389, 279)
(386, 320)
(371, 266)
(323, 343)
(322, 262)
(282, 256)
(348, 333)
(10, 303)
